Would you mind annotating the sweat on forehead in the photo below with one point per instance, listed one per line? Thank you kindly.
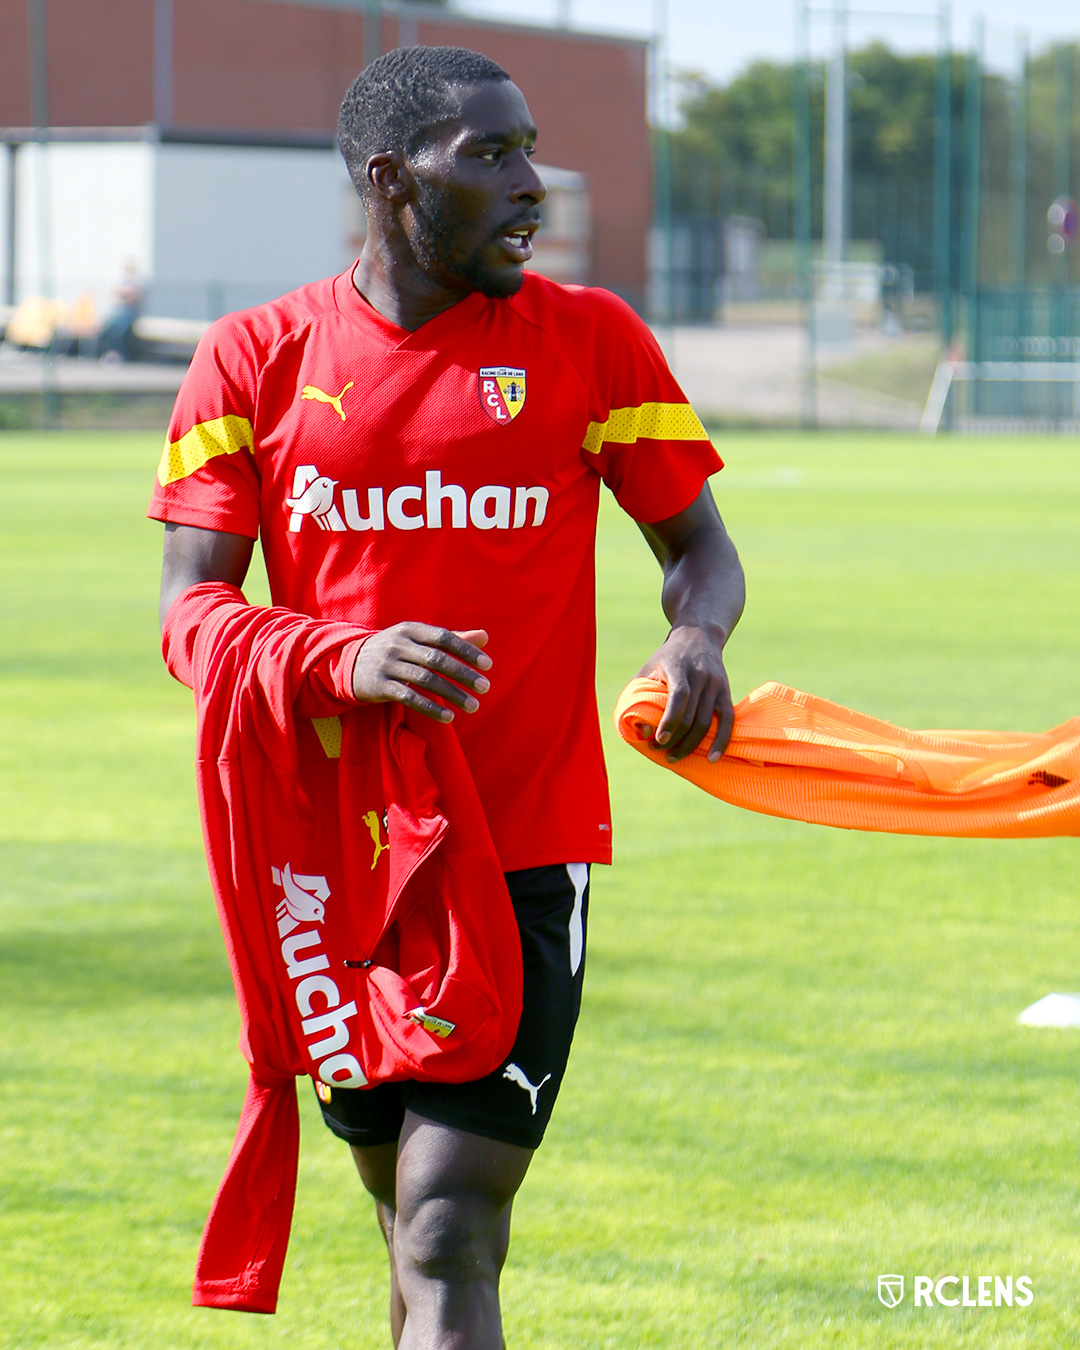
(400, 97)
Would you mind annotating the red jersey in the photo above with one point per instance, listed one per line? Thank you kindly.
(449, 475)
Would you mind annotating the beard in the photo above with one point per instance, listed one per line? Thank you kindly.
(435, 252)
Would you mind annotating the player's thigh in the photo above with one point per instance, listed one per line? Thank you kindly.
(377, 1165)
(369, 1120)
(454, 1187)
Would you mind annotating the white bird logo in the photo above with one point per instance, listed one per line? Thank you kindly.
(304, 896)
(316, 500)
(517, 1076)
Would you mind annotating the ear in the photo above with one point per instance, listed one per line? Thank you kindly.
(389, 178)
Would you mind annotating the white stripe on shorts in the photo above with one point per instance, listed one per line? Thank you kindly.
(579, 879)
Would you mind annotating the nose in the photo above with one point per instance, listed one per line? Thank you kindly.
(528, 185)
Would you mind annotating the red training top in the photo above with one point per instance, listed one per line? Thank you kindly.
(367, 923)
(452, 476)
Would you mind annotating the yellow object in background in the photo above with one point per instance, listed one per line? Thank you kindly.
(35, 322)
(81, 318)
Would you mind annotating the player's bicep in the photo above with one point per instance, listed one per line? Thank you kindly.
(669, 537)
(193, 555)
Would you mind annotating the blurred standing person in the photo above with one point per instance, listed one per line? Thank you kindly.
(117, 342)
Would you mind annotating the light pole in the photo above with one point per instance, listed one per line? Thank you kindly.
(1018, 167)
(943, 268)
(163, 63)
(662, 170)
(836, 176)
(972, 183)
(803, 224)
(372, 30)
(39, 113)
(1063, 81)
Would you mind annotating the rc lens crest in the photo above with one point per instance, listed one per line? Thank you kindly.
(890, 1289)
(502, 392)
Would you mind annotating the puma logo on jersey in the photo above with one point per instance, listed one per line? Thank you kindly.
(434, 506)
(373, 820)
(304, 901)
(312, 391)
(516, 1075)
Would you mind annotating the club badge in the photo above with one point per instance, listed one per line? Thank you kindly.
(502, 392)
(890, 1289)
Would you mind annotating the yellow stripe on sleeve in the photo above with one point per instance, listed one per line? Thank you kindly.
(648, 421)
(219, 436)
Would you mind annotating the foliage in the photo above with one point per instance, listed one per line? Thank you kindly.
(13, 415)
(733, 153)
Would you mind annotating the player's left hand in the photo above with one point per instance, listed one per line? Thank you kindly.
(691, 664)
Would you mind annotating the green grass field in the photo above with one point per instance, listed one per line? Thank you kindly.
(798, 1065)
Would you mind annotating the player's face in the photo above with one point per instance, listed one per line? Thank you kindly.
(475, 207)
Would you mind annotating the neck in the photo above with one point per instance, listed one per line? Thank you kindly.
(393, 284)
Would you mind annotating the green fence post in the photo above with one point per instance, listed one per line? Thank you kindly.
(1063, 82)
(803, 188)
(943, 279)
(969, 234)
(1018, 141)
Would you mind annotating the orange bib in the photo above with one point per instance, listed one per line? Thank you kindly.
(803, 758)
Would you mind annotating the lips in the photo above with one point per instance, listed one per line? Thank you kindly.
(517, 240)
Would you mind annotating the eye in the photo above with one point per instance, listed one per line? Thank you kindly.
(530, 150)
(489, 156)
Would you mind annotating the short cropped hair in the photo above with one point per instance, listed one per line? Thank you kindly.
(399, 98)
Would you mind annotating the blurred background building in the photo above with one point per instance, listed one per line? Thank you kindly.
(194, 139)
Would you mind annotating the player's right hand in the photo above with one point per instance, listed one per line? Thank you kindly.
(417, 664)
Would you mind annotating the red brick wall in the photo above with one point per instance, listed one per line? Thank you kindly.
(246, 65)
(267, 67)
(14, 64)
(100, 63)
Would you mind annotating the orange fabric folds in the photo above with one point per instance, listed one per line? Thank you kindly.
(801, 757)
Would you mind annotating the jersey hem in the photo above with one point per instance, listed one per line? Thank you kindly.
(556, 855)
(650, 517)
(176, 513)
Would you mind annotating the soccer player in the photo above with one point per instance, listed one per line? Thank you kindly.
(420, 443)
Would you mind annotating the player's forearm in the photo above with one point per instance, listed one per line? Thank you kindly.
(703, 583)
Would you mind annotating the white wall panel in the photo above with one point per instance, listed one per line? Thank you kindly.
(83, 219)
(236, 226)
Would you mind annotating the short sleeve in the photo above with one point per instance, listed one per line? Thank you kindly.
(644, 438)
(207, 475)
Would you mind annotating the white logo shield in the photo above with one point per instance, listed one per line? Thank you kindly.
(890, 1289)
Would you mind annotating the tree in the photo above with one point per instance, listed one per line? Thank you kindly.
(733, 153)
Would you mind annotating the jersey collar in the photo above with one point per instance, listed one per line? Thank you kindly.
(435, 332)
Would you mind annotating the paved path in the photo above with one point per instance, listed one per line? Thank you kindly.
(24, 372)
(756, 372)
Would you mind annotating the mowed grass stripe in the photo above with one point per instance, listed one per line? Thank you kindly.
(798, 1065)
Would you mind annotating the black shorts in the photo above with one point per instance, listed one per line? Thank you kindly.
(514, 1103)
